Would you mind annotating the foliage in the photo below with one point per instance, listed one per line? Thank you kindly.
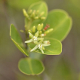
(44, 33)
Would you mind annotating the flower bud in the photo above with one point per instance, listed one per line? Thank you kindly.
(41, 13)
(36, 17)
(30, 11)
(29, 31)
(37, 11)
(34, 28)
(48, 31)
(30, 35)
(37, 34)
(43, 18)
(46, 42)
(39, 27)
(40, 32)
(25, 14)
(33, 14)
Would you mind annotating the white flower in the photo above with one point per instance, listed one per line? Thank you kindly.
(40, 46)
(38, 38)
(34, 38)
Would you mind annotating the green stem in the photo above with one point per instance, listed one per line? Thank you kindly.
(27, 27)
(27, 24)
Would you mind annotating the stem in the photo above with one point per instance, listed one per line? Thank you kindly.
(27, 24)
(27, 27)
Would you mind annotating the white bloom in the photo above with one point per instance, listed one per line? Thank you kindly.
(33, 38)
(39, 46)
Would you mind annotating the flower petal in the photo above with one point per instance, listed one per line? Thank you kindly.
(42, 51)
(46, 44)
(34, 48)
(28, 41)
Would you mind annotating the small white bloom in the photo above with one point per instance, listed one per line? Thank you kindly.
(31, 40)
(39, 46)
(34, 38)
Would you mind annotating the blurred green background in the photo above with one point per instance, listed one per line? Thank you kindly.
(63, 67)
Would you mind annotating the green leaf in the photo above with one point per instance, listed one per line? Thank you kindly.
(20, 4)
(55, 48)
(41, 6)
(60, 22)
(30, 66)
(15, 37)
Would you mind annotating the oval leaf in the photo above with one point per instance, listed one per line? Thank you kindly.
(30, 66)
(15, 37)
(60, 22)
(55, 48)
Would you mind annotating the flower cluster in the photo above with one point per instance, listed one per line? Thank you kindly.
(33, 14)
(37, 35)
